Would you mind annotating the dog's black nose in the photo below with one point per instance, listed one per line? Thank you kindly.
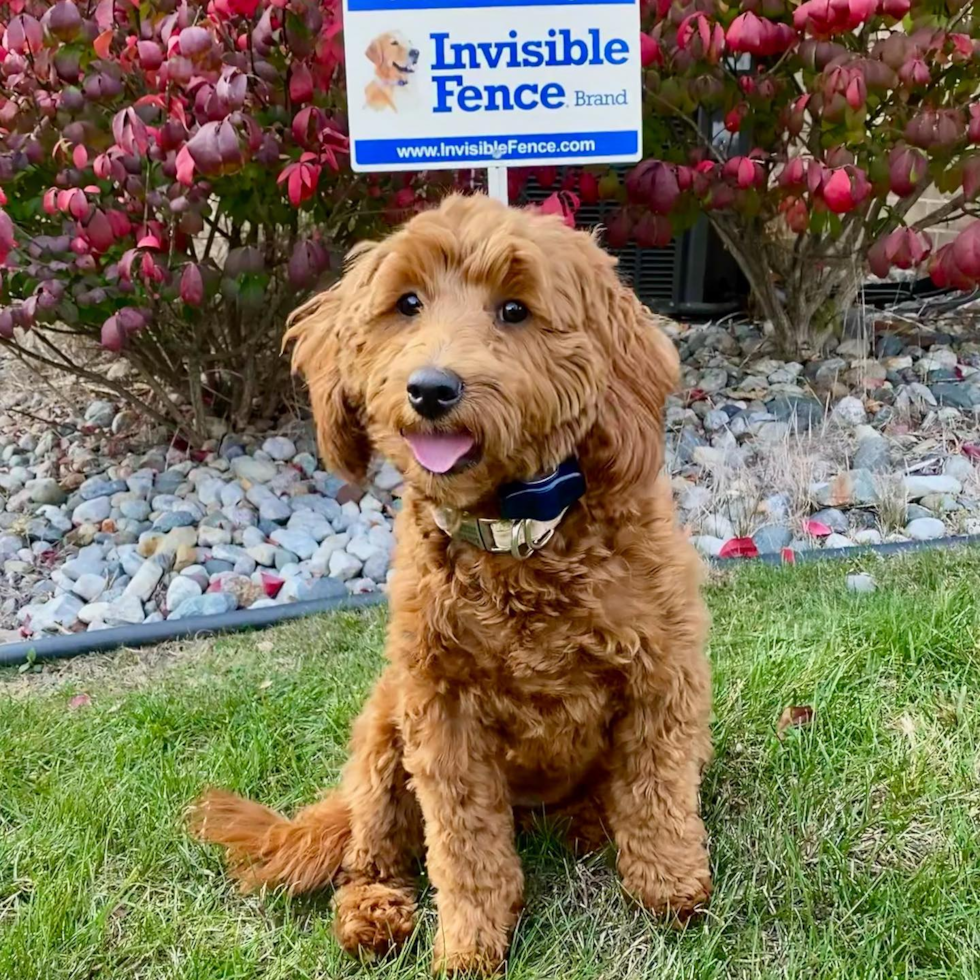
(434, 391)
(414, 54)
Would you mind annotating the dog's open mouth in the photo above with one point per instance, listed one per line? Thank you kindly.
(442, 452)
(404, 69)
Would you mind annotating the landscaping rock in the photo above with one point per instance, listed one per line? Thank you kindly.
(861, 583)
(209, 604)
(252, 469)
(925, 529)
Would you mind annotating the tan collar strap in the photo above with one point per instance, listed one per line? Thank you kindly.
(498, 536)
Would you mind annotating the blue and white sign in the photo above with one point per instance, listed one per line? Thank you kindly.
(439, 84)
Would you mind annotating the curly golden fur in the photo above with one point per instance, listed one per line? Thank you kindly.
(575, 680)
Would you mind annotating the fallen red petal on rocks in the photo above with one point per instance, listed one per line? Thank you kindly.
(739, 548)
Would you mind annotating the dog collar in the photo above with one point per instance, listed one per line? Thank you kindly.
(531, 510)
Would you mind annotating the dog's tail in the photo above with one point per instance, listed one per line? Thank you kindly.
(265, 848)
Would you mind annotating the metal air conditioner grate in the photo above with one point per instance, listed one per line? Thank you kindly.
(651, 272)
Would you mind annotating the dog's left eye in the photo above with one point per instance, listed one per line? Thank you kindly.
(513, 311)
(409, 305)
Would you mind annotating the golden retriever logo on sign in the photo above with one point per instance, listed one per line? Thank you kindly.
(394, 61)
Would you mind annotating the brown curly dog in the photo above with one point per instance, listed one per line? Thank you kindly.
(475, 347)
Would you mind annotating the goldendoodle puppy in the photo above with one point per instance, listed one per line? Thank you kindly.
(546, 641)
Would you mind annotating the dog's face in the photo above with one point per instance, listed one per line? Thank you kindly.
(479, 345)
(393, 57)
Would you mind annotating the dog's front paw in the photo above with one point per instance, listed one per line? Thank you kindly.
(372, 918)
(678, 893)
(472, 961)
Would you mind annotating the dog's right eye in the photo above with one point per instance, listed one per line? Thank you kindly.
(409, 305)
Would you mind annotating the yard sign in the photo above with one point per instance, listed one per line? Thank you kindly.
(440, 84)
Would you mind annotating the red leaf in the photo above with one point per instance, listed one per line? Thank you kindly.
(816, 528)
(79, 156)
(971, 450)
(185, 167)
(739, 548)
(788, 555)
(80, 701)
(271, 584)
(103, 43)
(795, 716)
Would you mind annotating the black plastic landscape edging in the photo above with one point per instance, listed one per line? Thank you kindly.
(146, 634)
(827, 554)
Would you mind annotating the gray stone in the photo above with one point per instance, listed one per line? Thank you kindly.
(176, 518)
(376, 567)
(228, 552)
(867, 536)
(363, 549)
(310, 522)
(833, 541)
(872, 454)
(100, 414)
(370, 504)
(232, 494)
(802, 413)
(99, 487)
(707, 545)
(300, 543)
(772, 538)
(216, 566)
(279, 447)
(715, 420)
(197, 573)
(209, 604)
(61, 611)
(833, 518)
(212, 537)
(919, 486)
(713, 380)
(959, 468)
(888, 345)
(344, 566)
(913, 512)
(306, 462)
(145, 580)
(846, 489)
(126, 610)
(717, 526)
(252, 469)
(925, 529)
(940, 503)
(850, 412)
(252, 537)
(89, 587)
(301, 589)
(209, 492)
(46, 491)
(135, 510)
(359, 586)
(860, 583)
(10, 544)
(263, 554)
(182, 588)
(387, 478)
(92, 511)
(693, 498)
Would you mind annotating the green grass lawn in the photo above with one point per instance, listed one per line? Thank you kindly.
(849, 849)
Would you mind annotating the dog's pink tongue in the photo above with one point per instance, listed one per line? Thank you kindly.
(439, 451)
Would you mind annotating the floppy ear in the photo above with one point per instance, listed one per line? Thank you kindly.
(625, 447)
(375, 52)
(317, 329)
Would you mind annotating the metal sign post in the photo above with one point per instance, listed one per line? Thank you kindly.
(497, 184)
